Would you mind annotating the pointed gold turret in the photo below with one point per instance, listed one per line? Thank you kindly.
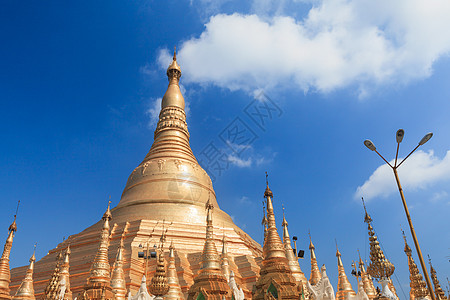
(210, 280)
(64, 277)
(225, 263)
(5, 275)
(440, 294)
(380, 267)
(344, 288)
(118, 283)
(98, 285)
(292, 256)
(174, 292)
(369, 288)
(26, 289)
(315, 272)
(51, 291)
(275, 275)
(418, 286)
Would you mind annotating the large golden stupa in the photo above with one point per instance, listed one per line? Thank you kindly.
(169, 198)
(167, 191)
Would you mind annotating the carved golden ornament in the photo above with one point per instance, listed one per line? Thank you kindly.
(158, 285)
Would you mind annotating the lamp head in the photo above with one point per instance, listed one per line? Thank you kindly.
(426, 138)
(399, 135)
(370, 145)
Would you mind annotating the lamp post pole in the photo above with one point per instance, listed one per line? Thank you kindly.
(399, 135)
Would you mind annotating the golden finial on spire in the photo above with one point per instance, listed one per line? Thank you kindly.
(315, 272)
(210, 278)
(440, 294)
(118, 283)
(64, 277)
(291, 255)
(51, 290)
(26, 289)
(99, 280)
(174, 292)
(275, 265)
(344, 288)
(418, 286)
(5, 275)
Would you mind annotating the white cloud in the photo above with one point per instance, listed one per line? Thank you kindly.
(338, 44)
(438, 196)
(239, 162)
(422, 170)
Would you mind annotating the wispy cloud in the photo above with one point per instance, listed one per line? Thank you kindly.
(422, 170)
(339, 43)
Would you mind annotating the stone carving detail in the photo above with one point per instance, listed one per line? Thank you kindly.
(142, 293)
(238, 293)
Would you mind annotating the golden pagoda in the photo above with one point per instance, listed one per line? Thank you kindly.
(440, 294)
(418, 286)
(211, 282)
(292, 256)
(98, 285)
(5, 277)
(174, 291)
(26, 288)
(169, 184)
(118, 283)
(344, 288)
(380, 267)
(51, 291)
(64, 277)
(369, 288)
(315, 272)
(276, 279)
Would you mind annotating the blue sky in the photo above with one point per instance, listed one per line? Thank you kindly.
(79, 83)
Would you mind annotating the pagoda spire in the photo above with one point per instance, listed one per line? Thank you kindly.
(64, 277)
(369, 288)
(380, 267)
(26, 289)
(225, 263)
(51, 290)
(98, 285)
(210, 279)
(418, 286)
(440, 294)
(174, 292)
(264, 222)
(344, 288)
(5, 275)
(315, 272)
(291, 255)
(118, 283)
(275, 275)
(172, 120)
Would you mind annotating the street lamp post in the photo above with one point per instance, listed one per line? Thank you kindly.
(399, 136)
